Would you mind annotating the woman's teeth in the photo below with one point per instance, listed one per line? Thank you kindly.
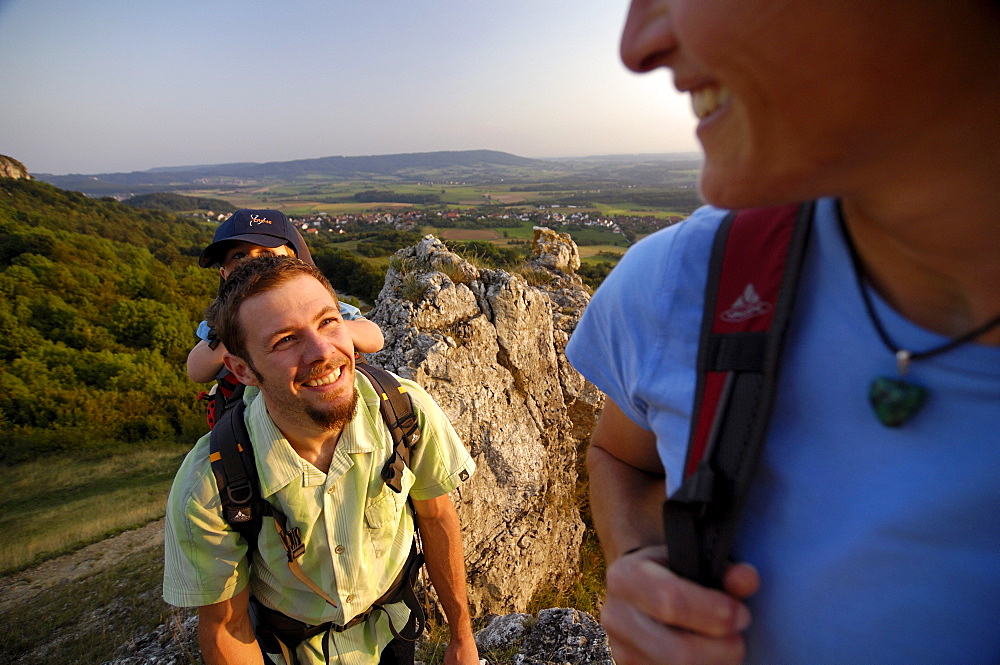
(706, 100)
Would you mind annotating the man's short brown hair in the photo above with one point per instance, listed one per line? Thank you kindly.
(250, 278)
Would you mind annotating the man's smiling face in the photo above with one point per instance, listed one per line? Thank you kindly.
(300, 353)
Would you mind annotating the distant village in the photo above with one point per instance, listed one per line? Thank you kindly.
(407, 220)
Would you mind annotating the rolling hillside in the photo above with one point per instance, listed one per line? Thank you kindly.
(468, 162)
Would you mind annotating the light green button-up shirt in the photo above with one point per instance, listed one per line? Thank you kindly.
(356, 530)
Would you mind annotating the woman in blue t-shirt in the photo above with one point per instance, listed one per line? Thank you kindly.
(860, 543)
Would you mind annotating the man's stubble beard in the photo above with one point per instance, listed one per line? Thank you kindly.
(338, 416)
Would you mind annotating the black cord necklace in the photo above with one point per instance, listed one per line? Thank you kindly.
(895, 400)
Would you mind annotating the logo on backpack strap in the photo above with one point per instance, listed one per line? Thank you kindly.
(239, 515)
(747, 306)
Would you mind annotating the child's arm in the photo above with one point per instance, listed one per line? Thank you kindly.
(365, 334)
(204, 362)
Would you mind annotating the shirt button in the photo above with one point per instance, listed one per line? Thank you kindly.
(350, 598)
(330, 491)
(339, 549)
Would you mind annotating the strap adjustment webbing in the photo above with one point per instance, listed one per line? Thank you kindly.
(397, 411)
(752, 280)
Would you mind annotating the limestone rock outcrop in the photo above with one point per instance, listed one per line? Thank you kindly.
(559, 636)
(11, 168)
(488, 346)
(555, 250)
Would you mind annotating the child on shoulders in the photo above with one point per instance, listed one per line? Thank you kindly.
(247, 234)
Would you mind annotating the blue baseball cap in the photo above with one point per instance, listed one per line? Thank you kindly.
(267, 228)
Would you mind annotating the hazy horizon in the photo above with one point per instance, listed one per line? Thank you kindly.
(178, 167)
(113, 87)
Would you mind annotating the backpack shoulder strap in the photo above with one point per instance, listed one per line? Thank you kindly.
(235, 470)
(397, 411)
(752, 281)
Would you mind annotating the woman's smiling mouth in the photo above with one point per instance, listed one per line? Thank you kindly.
(706, 100)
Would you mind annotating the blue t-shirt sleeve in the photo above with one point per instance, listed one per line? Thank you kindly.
(350, 312)
(638, 338)
(614, 334)
(203, 330)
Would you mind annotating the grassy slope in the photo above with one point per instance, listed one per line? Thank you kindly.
(86, 621)
(53, 505)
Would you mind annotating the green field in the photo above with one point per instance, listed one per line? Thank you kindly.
(643, 187)
(57, 504)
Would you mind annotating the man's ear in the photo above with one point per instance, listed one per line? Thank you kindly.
(241, 369)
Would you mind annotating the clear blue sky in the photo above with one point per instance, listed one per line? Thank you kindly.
(92, 86)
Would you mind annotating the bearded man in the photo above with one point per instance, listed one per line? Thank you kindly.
(319, 444)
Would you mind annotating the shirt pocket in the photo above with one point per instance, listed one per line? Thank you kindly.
(382, 519)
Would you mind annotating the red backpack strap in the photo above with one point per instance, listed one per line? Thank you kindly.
(216, 401)
(227, 383)
(752, 280)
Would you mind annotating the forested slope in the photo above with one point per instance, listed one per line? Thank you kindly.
(170, 202)
(98, 303)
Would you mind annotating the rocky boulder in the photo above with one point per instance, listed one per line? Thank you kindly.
(11, 168)
(488, 346)
(556, 251)
(559, 636)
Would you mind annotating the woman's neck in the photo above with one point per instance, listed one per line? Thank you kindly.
(939, 266)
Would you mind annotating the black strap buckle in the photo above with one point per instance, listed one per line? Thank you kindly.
(407, 426)
(392, 472)
(291, 540)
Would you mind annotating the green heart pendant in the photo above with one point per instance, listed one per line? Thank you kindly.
(895, 401)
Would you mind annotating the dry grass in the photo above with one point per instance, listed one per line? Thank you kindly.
(86, 621)
(456, 274)
(54, 505)
(535, 276)
(413, 289)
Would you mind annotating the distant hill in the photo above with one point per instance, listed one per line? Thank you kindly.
(166, 179)
(170, 202)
